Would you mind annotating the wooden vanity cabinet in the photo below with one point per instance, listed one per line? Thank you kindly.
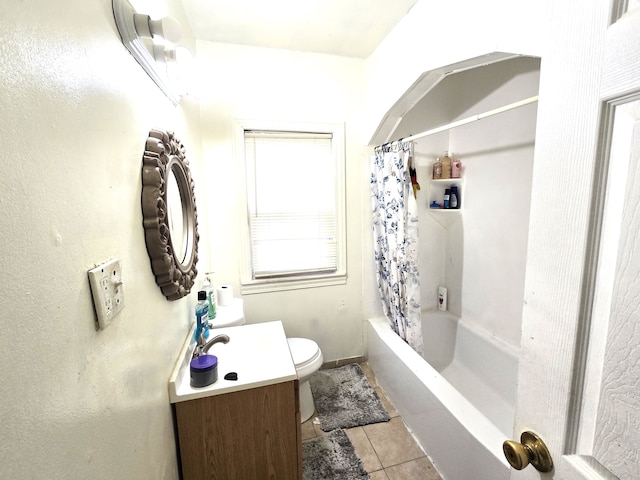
(252, 434)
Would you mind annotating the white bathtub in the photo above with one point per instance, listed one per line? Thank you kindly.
(460, 405)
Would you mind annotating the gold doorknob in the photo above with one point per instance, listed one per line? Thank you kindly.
(530, 450)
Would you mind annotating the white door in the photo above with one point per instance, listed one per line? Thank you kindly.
(579, 380)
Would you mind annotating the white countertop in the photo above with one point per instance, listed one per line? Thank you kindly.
(259, 353)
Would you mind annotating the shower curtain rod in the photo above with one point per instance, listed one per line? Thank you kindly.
(473, 118)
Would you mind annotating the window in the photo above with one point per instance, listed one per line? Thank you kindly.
(295, 206)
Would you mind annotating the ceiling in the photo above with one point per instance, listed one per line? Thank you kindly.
(352, 28)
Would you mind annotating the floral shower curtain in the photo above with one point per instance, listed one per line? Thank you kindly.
(395, 236)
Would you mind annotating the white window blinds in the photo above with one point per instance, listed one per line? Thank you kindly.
(291, 190)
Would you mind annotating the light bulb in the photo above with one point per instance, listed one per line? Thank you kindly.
(183, 56)
(161, 54)
(166, 28)
(180, 68)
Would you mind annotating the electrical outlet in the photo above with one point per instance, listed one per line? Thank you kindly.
(106, 287)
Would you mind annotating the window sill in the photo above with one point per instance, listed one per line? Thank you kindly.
(265, 286)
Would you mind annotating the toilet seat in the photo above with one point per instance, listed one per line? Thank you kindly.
(303, 351)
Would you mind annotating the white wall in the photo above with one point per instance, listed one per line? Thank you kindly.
(268, 84)
(76, 109)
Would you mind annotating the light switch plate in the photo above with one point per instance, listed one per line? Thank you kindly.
(106, 287)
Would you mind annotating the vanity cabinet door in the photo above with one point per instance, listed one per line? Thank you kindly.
(248, 435)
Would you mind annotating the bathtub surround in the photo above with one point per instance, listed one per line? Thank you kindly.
(479, 251)
(395, 238)
(479, 366)
(331, 456)
(463, 396)
(344, 398)
(443, 419)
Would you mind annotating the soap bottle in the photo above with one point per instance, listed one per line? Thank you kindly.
(437, 169)
(455, 168)
(202, 313)
(447, 199)
(442, 299)
(211, 297)
(446, 165)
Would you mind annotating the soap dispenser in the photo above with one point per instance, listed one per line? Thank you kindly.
(211, 297)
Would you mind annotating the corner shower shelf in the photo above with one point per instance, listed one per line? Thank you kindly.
(445, 216)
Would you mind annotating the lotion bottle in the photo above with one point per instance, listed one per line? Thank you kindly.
(455, 168)
(437, 169)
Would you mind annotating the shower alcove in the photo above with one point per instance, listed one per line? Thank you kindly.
(478, 252)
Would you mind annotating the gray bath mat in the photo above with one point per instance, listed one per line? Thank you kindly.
(331, 457)
(344, 398)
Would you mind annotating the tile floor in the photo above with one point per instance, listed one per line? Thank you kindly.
(387, 450)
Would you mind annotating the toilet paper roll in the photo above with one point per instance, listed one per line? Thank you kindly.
(224, 294)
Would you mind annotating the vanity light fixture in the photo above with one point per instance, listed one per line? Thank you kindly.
(151, 42)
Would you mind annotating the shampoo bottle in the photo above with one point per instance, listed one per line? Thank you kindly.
(446, 165)
(453, 197)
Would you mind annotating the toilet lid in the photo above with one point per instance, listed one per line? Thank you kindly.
(303, 350)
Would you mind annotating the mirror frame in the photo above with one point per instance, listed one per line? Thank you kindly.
(164, 154)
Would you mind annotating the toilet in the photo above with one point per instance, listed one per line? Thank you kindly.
(305, 353)
(307, 358)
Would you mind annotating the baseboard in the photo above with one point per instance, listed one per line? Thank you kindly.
(342, 362)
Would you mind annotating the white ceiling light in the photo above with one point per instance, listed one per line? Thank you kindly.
(155, 54)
